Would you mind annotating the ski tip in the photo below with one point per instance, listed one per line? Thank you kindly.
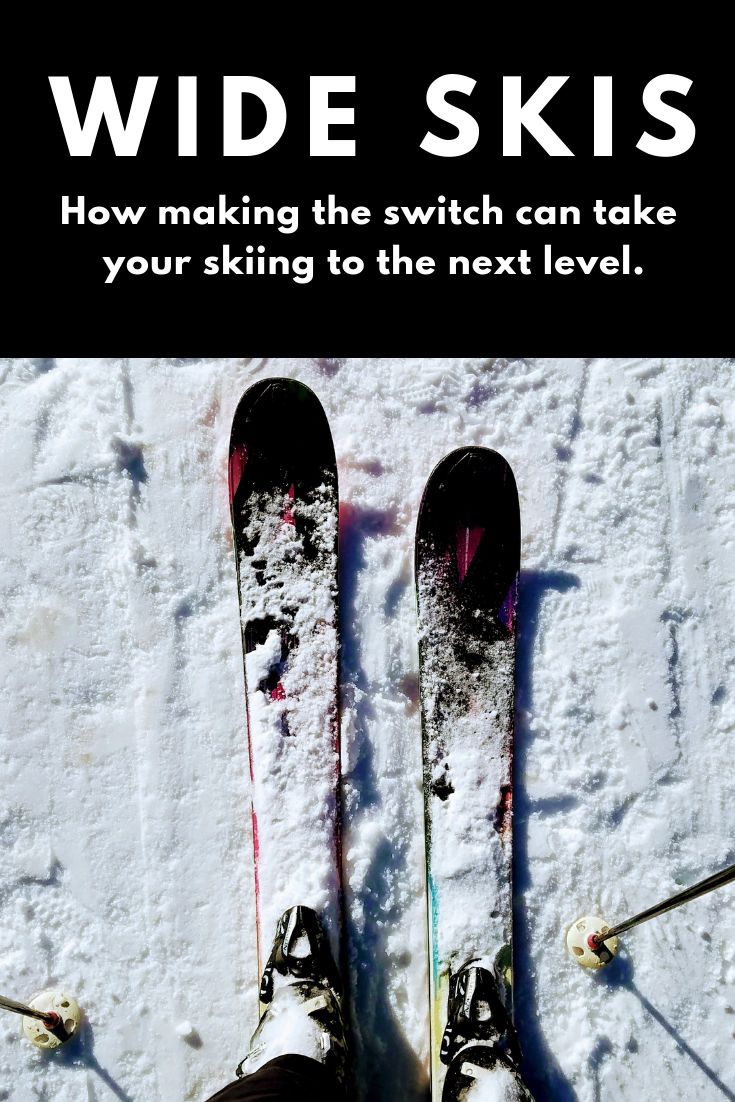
(473, 481)
(470, 514)
(471, 461)
(277, 396)
(279, 422)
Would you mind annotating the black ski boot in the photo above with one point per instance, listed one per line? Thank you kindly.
(480, 1045)
(301, 990)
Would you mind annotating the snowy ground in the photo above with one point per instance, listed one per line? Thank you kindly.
(125, 869)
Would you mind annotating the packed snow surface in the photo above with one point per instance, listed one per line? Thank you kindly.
(125, 850)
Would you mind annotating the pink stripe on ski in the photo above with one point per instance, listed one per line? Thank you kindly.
(468, 540)
(256, 867)
(238, 462)
(507, 609)
(288, 517)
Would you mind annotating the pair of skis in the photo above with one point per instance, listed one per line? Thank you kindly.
(284, 502)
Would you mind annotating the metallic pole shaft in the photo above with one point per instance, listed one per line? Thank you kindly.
(717, 880)
(50, 1020)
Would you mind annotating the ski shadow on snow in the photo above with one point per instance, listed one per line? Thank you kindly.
(356, 526)
(80, 1053)
(619, 974)
(540, 1069)
(379, 1037)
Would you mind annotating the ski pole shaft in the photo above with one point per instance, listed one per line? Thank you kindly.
(717, 880)
(51, 1019)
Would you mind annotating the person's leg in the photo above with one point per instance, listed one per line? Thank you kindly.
(298, 1052)
(285, 1079)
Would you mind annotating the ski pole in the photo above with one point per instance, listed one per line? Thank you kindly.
(717, 880)
(593, 942)
(51, 1019)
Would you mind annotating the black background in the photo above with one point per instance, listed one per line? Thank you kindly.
(59, 303)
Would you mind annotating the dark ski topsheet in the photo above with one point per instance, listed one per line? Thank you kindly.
(467, 560)
(284, 502)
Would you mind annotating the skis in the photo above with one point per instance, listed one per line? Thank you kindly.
(284, 502)
(284, 505)
(467, 560)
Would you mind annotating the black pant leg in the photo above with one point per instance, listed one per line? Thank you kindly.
(285, 1079)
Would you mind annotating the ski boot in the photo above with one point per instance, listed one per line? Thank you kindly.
(480, 1045)
(301, 990)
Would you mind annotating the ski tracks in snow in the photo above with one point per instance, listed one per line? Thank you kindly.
(68, 629)
(122, 683)
(627, 715)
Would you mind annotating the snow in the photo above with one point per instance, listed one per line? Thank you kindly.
(497, 1085)
(125, 867)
